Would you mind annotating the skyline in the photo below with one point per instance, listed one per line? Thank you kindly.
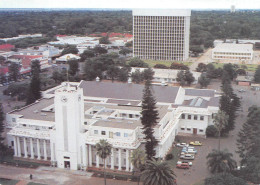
(134, 4)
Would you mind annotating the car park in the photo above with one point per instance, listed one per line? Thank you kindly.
(187, 156)
(188, 162)
(183, 166)
(195, 143)
(189, 152)
(188, 148)
(182, 144)
(241, 90)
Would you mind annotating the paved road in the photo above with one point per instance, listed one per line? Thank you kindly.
(55, 176)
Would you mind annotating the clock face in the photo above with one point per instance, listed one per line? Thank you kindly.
(64, 99)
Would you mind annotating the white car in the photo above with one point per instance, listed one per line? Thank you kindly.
(180, 162)
(182, 145)
(187, 156)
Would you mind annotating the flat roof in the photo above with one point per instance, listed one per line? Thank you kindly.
(126, 91)
(161, 12)
(200, 92)
(235, 48)
(34, 111)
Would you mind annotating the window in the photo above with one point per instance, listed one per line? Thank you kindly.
(65, 157)
(201, 130)
(189, 116)
(182, 128)
(118, 134)
(130, 115)
(188, 129)
(13, 119)
(103, 132)
(125, 134)
(195, 117)
(183, 116)
(95, 131)
(201, 118)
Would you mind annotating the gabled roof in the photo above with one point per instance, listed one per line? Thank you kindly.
(127, 91)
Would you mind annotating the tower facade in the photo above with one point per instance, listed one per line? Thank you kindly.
(69, 118)
(161, 34)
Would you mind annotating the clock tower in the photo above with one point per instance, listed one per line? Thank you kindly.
(69, 118)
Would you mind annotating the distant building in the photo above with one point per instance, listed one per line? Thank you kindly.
(232, 9)
(67, 57)
(6, 47)
(244, 80)
(161, 34)
(226, 51)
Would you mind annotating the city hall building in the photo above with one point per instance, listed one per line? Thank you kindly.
(64, 126)
(161, 34)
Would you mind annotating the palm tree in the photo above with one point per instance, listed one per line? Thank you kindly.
(103, 151)
(220, 161)
(158, 173)
(138, 159)
(220, 121)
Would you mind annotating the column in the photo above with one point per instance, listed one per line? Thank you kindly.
(25, 147)
(119, 159)
(131, 164)
(44, 150)
(112, 159)
(85, 161)
(32, 153)
(90, 155)
(52, 151)
(19, 146)
(127, 160)
(38, 150)
(97, 161)
(15, 146)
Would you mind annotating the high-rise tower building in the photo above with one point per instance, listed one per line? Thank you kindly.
(161, 34)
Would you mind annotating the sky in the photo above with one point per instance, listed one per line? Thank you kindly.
(131, 4)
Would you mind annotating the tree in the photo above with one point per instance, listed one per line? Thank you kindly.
(129, 44)
(123, 74)
(138, 159)
(201, 67)
(176, 65)
(124, 51)
(103, 151)
(189, 77)
(99, 50)
(35, 85)
(257, 75)
(204, 81)
(137, 76)
(220, 122)
(112, 72)
(70, 49)
(149, 119)
(17, 90)
(241, 72)
(86, 55)
(104, 40)
(158, 173)
(220, 161)
(185, 77)
(2, 60)
(181, 78)
(136, 62)
(2, 127)
(73, 67)
(211, 131)
(160, 66)
(148, 74)
(224, 179)
(230, 69)
(14, 71)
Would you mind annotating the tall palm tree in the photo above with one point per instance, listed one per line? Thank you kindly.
(220, 121)
(158, 173)
(220, 161)
(138, 158)
(103, 151)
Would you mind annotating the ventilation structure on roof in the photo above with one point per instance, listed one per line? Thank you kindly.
(196, 102)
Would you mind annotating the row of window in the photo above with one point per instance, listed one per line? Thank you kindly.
(118, 134)
(227, 57)
(189, 129)
(226, 53)
(195, 117)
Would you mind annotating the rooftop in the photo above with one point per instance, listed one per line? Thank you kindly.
(161, 12)
(227, 47)
(200, 92)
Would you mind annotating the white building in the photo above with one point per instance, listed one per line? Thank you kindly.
(161, 34)
(67, 57)
(63, 127)
(226, 51)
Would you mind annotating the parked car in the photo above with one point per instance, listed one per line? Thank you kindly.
(189, 148)
(183, 166)
(189, 152)
(189, 163)
(195, 143)
(187, 156)
(241, 90)
(182, 144)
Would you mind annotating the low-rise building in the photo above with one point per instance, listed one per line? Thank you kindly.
(64, 126)
(66, 58)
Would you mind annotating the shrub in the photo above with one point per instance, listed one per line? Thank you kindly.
(169, 157)
(211, 131)
(160, 66)
(175, 65)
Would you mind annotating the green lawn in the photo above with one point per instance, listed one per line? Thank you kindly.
(250, 67)
(152, 63)
(8, 181)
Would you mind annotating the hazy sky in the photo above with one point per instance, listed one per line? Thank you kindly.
(171, 4)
